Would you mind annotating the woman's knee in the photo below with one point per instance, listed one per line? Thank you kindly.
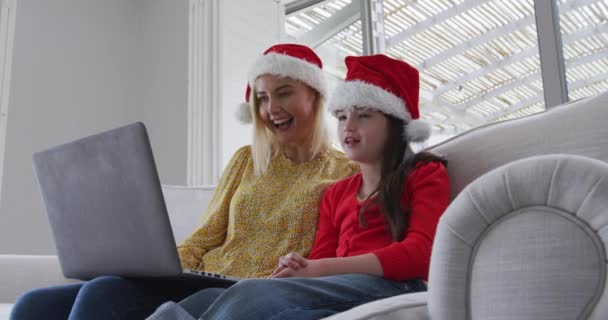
(103, 291)
(50, 303)
(111, 298)
(102, 286)
(28, 303)
(105, 282)
(32, 297)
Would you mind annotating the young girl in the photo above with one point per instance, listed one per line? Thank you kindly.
(375, 229)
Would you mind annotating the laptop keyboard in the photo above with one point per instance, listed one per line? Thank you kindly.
(203, 273)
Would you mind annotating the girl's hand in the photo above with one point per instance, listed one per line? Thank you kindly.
(312, 269)
(366, 263)
(291, 260)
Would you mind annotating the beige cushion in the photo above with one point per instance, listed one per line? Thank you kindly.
(402, 307)
(5, 310)
(186, 207)
(19, 273)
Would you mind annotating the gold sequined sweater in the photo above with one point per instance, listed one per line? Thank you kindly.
(252, 221)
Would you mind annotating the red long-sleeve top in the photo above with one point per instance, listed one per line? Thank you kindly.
(339, 233)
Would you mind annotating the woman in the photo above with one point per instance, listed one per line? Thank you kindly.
(264, 205)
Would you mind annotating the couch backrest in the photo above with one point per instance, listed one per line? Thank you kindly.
(576, 128)
(186, 207)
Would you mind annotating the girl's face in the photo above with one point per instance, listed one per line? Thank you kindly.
(363, 134)
(287, 107)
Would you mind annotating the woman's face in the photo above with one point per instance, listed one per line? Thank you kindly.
(287, 107)
(363, 133)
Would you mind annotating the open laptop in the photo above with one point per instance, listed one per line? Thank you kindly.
(106, 208)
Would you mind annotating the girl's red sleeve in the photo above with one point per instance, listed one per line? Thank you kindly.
(326, 238)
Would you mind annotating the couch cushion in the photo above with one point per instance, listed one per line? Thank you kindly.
(5, 310)
(19, 273)
(577, 128)
(410, 306)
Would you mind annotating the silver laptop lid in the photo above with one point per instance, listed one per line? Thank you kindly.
(105, 206)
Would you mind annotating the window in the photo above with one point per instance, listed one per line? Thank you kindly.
(584, 30)
(478, 60)
(333, 29)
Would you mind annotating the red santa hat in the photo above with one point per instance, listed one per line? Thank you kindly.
(385, 84)
(294, 61)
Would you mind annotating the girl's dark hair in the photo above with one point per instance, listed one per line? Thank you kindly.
(395, 169)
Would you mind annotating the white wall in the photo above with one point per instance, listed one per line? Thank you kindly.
(164, 76)
(248, 28)
(81, 67)
(71, 77)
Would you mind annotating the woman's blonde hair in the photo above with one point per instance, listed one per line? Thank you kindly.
(265, 145)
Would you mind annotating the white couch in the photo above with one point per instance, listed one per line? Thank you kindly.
(577, 128)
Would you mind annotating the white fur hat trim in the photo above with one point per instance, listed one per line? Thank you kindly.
(417, 131)
(288, 66)
(243, 113)
(352, 94)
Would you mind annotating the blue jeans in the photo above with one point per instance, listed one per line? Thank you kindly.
(289, 298)
(103, 298)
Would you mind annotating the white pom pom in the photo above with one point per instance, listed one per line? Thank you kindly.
(417, 131)
(243, 113)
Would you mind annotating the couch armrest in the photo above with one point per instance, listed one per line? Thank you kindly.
(411, 306)
(19, 273)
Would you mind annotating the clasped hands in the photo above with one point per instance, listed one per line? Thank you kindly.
(294, 265)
